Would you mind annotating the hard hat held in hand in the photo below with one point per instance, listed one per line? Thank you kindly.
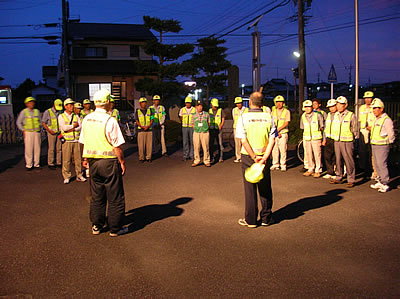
(254, 173)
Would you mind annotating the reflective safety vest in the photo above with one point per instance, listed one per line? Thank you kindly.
(341, 131)
(312, 131)
(158, 115)
(83, 113)
(366, 116)
(96, 144)
(115, 114)
(73, 135)
(376, 137)
(215, 120)
(32, 123)
(236, 113)
(266, 109)
(54, 121)
(187, 117)
(281, 120)
(258, 127)
(328, 126)
(144, 120)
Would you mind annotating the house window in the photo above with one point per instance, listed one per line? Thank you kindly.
(134, 52)
(89, 52)
(93, 87)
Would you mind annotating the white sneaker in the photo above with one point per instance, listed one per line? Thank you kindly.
(95, 230)
(274, 167)
(236, 160)
(384, 188)
(283, 168)
(327, 176)
(87, 172)
(376, 186)
(66, 181)
(80, 179)
(122, 231)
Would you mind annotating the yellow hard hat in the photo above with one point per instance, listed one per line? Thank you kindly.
(142, 99)
(214, 102)
(238, 100)
(279, 99)
(29, 99)
(254, 173)
(307, 103)
(58, 104)
(377, 103)
(156, 97)
(188, 99)
(341, 100)
(78, 105)
(86, 101)
(112, 98)
(368, 94)
(331, 102)
(101, 96)
(68, 101)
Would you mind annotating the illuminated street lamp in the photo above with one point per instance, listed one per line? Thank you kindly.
(243, 89)
(297, 54)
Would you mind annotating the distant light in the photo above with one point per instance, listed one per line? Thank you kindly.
(297, 54)
(243, 85)
(200, 90)
(318, 88)
(190, 83)
(351, 85)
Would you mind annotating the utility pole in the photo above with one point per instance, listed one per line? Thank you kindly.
(350, 69)
(65, 47)
(357, 104)
(256, 64)
(302, 51)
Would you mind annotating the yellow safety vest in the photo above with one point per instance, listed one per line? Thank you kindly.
(376, 137)
(311, 131)
(73, 135)
(96, 143)
(328, 126)
(366, 116)
(236, 113)
(215, 120)
(144, 120)
(115, 114)
(341, 131)
(258, 127)
(32, 123)
(54, 121)
(158, 114)
(281, 120)
(83, 113)
(187, 117)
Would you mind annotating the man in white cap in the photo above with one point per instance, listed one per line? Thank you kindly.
(236, 112)
(382, 136)
(102, 154)
(86, 108)
(50, 124)
(186, 114)
(328, 142)
(344, 129)
(28, 122)
(158, 127)
(144, 122)
(217, 120)
(281, 117)
(70, 126)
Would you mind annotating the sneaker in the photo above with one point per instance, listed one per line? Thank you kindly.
(66, 181)
(308, 173)
(87, 173)
(207, 165)
(317, 175)
(122, 231)
(283, 168)
(195, 164)
(274, 167)
(221, 160)
(378, 185)
(268, 223)
(244, 223)
(327, 176)
(80, 179)
(236, 160)
(350, 185)
(384, 188)
(95, 230)
(335, 181)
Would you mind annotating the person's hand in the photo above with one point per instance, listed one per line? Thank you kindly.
(123, 167)
(323, 142)
(85, 164)
(51, 132)
(220, 127)
(279, 135)
(75, 125)
(369, 128)
(258, 159)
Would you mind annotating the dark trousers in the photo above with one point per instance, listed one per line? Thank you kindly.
(156, 139)
(214, 138)
(106, 186)
(364, 151)
(329, 156)
(250, 192)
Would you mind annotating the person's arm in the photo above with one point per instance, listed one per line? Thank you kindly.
(389, 130)
(21, 120)
(248, 149)
(137, 119)
(270, 146)
(66, 128)
(45, 119)
(79, 124)
(120, 156)
(163, 115)
(353, 124)
(222, 120)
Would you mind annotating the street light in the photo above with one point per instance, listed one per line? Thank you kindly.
(243, 89)
(297, 54)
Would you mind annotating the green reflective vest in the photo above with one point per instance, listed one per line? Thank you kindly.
(96, 144)
(32, 123)
(366, 116)
(200, 123)
(281, 120)
(144, 119)
(376, 137)
(328, 126)
(115, 113)
(312, 131)
(236, 113)
(215, 120)
(258, 127)
(53, 121)
(341, 131)
(158, 114)
(73, 135)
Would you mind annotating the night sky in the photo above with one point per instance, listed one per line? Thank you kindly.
(379, 40)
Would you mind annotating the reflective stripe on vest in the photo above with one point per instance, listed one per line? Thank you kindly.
(376, 137)
(366, 116)
(158, 114)
(94, 135)
(187, 117)
(144, 120)
(328, 126)
(340, 131)
(32, 123)
(281, 120)
(73, 135)
(236, 113)
(54, 121)
(215, 120)
(311, 131)
(258, 127)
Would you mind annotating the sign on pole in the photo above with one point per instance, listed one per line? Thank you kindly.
(332, 78)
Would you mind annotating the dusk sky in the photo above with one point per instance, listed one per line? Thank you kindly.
(379, 37)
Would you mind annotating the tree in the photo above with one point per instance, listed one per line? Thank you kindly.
(211, 61)
(20, 93)
(168, 67)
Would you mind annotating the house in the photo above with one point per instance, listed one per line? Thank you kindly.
(108, 56)
(44, 95)
(276, 87)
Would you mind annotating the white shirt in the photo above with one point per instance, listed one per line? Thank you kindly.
(66, 126)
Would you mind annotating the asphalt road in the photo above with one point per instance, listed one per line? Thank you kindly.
(329, 241)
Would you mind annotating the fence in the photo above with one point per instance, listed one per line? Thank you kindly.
(10, 134)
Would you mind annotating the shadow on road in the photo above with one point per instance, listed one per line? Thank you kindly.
(4, 165)
(300, 207)
(137, 219)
